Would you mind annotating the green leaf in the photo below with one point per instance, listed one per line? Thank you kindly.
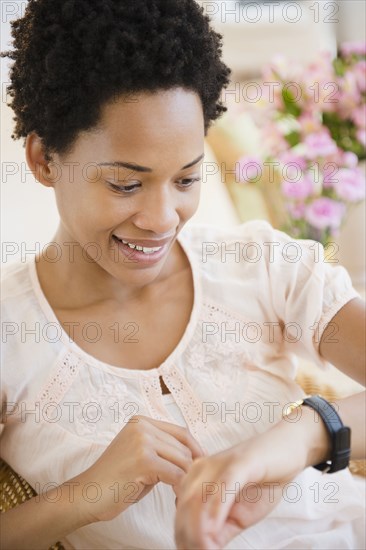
(293, 138)
(290, 103)
(339, 66)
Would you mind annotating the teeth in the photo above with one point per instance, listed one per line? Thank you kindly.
(144, 249)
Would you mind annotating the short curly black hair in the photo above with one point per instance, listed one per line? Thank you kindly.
(71, 57)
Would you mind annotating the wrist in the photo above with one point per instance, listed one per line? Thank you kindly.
(285, 449)
(313, 434)
(100, 499)
(78, 506)
(300, 439)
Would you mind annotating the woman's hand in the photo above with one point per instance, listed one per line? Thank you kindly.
(144, 452)
(230, 491)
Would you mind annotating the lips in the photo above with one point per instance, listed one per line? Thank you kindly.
(140, 257)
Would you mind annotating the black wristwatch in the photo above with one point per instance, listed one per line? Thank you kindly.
(340, 435)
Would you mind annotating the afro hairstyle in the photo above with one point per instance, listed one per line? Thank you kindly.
(71, 57)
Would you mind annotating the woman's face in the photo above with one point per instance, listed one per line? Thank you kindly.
(157, 141)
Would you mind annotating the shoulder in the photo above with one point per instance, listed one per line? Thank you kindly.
(254, 241)
(15, 282)
(27, 351)
(256, 251)
(19, 303)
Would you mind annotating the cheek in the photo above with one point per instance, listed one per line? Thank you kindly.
(85, 208)
(68, 201)
(190, 201)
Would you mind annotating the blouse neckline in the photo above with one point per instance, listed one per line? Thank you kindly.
(125, 371)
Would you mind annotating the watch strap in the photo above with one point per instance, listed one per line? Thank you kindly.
(340, 435)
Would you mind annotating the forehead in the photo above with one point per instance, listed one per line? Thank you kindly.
(140, 127)
(152, 115)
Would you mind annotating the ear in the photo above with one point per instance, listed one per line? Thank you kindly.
(45, 171)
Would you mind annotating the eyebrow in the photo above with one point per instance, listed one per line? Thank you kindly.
(138, 168)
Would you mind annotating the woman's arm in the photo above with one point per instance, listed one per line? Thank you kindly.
(210, 513)
(145, 452)
(343, 342)
(206, 518)
(44, 519)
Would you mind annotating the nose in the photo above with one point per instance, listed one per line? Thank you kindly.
(157, 211)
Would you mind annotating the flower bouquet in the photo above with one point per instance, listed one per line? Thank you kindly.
(313, 122)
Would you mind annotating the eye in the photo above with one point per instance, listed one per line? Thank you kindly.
(188, 182)
(122, 188)
(184, 183)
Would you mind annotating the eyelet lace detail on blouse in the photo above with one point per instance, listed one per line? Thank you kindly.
(190, 406)
(66, 369)
(153, 397)
(218, 354)
(212, 356)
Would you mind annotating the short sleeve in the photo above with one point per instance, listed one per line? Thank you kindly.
(307, 289)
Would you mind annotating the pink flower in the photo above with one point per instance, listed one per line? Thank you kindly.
(324, 212)
(248, 169)
(320, 145)
(273, 139)
(349, 159)
(300, 189)
(309, 123)
(361, 136)
(296, 210)
(359, 116)
(359, 70)
(335, 232)
(349, 94)
(329, 171)
(288, 159)
(350, 184)
(321, 89)
(353, 48)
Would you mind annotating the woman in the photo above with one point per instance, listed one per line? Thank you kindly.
(136, 359)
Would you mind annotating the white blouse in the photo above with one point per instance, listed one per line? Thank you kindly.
(260, 300)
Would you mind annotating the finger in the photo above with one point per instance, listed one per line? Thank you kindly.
(195, 530)
(230, 530)
(168, 447)
(167, 472)
(188, 483)
(189, 527)
(182, 434)
(202, 514)
(190, 532)
(219, 504)
(180, 456)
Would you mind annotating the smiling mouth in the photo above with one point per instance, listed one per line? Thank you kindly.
(144, 249)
